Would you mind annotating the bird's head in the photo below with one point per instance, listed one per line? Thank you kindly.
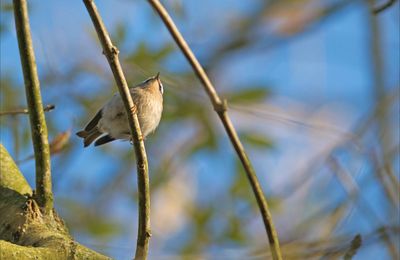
(153, 84)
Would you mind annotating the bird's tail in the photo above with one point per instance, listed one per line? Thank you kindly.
(89, 136)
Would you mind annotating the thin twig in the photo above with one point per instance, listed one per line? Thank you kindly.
(354, 246)
(43, 195)
(56, 146)
(111, 52)
(21, 111)
(382, 109)
(221, 108)
(384, 6)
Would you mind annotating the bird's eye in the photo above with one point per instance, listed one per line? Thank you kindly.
(161, 88)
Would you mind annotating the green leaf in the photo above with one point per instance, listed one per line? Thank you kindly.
(83, 218)
(240, 190)
(256, 140)
(6, 7)
(234, 230)
(207, 139)
(102, 227)
(147, 57)
(249, 95)
(119, 34)
(181, 108)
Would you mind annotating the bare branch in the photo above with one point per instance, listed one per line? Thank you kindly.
(221, 108)
(111, 52)
(22, 111)
(56, 145)
(44, 195)
(384, 6)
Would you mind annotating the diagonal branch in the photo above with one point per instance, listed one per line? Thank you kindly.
(44, 195)
(384, 6)
(111, 52)
(221, 108)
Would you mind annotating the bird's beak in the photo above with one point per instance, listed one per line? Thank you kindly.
(158, 76)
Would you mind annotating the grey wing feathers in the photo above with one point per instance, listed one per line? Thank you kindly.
(95, 120)
(89, 136)
(103, 140)
(91, 132)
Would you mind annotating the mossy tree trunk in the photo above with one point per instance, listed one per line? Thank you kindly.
(26, 233)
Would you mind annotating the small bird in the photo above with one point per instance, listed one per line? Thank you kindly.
(110, 122)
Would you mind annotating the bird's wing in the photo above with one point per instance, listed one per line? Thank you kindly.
(93, 123)
(103, 140)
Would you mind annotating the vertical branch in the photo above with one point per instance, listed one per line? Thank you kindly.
(221, 108)
(44, 195)
(111, 52)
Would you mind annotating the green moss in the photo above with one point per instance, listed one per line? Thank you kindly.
(22, 223)
(12, 251)
(10, 176)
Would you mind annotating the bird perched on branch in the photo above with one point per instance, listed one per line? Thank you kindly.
(111, 123)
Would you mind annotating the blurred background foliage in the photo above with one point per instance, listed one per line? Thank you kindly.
(313, 89)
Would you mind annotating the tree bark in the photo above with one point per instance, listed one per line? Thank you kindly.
(26, 233)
